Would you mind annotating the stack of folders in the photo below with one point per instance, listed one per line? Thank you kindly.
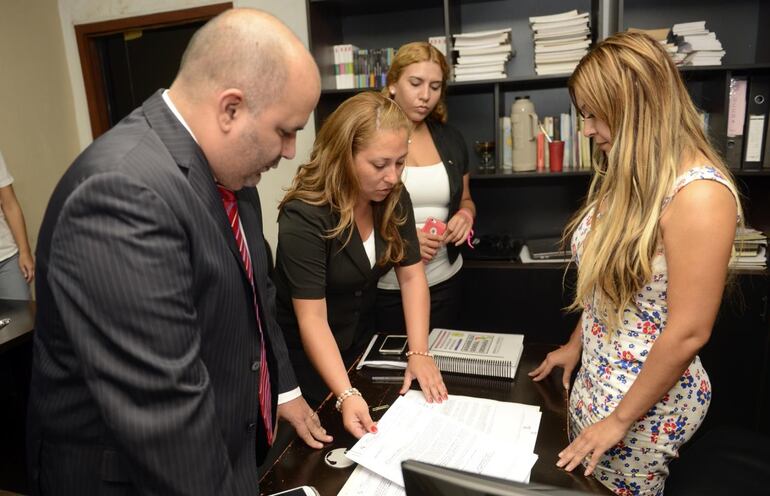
(561, 40)
(482, 54)
(462, 352)
(750, 249)
(476, 435)
(698, 45)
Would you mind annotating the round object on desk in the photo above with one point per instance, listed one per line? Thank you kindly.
(336, 458)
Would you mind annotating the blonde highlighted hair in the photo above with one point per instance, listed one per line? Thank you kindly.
(329, 178)
(413, 53)
(629, 82)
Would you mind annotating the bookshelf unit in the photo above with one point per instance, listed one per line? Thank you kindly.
(507, 296)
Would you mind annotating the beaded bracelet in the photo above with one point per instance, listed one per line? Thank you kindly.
(345, 395)
(420, 353)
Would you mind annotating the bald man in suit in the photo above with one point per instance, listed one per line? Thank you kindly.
(158, 365)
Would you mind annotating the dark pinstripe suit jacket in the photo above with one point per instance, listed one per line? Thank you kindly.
(146, 354)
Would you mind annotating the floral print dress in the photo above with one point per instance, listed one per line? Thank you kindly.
(638, 465)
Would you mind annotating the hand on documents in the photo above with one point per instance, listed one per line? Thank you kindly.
(305, 421)
(356, 418)
(426, 372)
(567, 357)
(593, 442)
(464, 433)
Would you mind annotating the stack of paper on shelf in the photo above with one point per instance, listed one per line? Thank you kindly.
(482, 54)
(476, 435)
(750, 249)
(699, 45)
(661, 35)
(561, 40)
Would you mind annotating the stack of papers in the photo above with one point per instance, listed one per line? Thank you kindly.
(750, 249)
(698, 45)
(476, 435)
(561, 40)
(482, 54)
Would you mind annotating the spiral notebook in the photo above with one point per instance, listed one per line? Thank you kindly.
(476, 353)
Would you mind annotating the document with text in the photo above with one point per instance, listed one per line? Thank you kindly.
(412, 430)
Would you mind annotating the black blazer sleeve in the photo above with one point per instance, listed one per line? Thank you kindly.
(133, 326)
(304, 250)
(454, 154)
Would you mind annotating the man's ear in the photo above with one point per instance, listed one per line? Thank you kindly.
(231, 106)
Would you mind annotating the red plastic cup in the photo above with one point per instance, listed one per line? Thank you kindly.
(555, 155)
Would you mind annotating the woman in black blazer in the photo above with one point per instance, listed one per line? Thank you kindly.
(436, 175)
(345, 221)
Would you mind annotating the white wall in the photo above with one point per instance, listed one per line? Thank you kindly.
(292, 12)
(37, 131)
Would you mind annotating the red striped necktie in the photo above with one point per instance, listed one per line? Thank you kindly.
(231, 208)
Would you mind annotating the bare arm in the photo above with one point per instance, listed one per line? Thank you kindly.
(415, 297)
(697, 250)
(321, 348)
(461, 222)
(566, 357)
(15, 218)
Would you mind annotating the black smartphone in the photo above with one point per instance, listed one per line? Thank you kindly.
(393, 345)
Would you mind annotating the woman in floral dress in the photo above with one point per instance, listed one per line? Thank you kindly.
(652, 244)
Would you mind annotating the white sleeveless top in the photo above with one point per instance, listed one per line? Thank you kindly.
(428, 187)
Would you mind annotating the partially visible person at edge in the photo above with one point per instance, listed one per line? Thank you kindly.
(17, 266)
(345, 221)
(157, 360)
(652, 244)
(436, 176)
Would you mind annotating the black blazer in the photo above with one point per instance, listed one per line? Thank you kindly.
(146, 351)
(454, 154)
(310, 266)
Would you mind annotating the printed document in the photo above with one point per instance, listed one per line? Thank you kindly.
(410, 431)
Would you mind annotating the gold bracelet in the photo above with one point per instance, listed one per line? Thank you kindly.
(419, 353)
(345, 395)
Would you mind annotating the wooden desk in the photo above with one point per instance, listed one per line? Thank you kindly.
(22, 315)
(15, 360)
(299, 464)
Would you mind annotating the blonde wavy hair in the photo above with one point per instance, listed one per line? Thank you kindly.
(329, 178)
(413, 53)
(629, 82)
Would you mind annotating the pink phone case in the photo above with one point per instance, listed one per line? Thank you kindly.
(434, 226)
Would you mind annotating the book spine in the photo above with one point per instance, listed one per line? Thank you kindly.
(475, 366)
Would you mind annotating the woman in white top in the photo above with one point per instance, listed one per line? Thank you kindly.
(17, 266)
(436, 176)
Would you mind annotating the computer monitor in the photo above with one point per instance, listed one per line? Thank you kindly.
(425, 479)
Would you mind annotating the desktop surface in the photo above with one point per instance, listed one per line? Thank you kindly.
(299, 464)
